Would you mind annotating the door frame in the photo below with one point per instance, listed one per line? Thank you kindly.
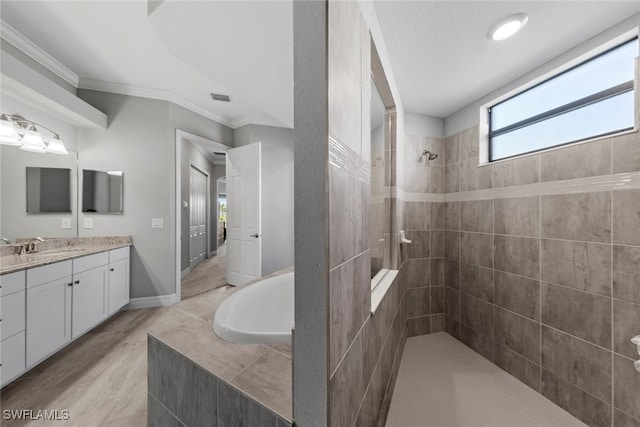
(180, 138)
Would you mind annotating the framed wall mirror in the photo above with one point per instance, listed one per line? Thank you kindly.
(48, 190)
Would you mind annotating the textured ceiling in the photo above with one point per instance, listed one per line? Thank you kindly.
(443, 60)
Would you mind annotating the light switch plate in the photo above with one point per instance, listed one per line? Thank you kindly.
(157, 222)
(88, 223)
(65, 223)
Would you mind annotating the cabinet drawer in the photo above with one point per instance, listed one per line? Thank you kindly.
(47, 273)
(11, 283)
(90, 261)
(118, 254)
(13, 314)
(13, 357)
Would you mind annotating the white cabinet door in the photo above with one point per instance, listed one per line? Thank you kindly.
(12, 357)
(48, 318)
(118, 285)
(89, 299)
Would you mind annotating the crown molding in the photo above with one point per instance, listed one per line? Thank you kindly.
(26, 46)
(151, 93)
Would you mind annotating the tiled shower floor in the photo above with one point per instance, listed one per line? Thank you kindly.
(443, 383)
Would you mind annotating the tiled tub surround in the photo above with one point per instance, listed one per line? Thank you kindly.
(547, 286)
(58, 249)
(196, 378)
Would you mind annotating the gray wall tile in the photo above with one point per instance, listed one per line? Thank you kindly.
(578, 313)
(417, 272)
(620, 419)
(161, 373)
(480, 343)
(437, 216)
(437, 271)
(476, 248)
(626, 274)
(626, 217)
(436, 249)
(437, 179)
(419, 300)
(436, 323)
(469, 141)
(517, 217)
(576, 361)
(350, 299)
(437, 300)
(452, 303)
(474, 177)
(158, 416)
(521, 368)
(237, 410)
(517, 333)
(477, 216)
(452, 178)
(477, 314)
(524, 170)
(585, 407)
(347, 209)
(419, 247)
(452, 274)
(197, 394)
(418, 326)
(452, 245)
(577, 161)
(626, 325)
(518, 294)
(452, 149)
(452, 216)
(417, 215)
(580, 265)
(452, 327)
(627, 383)
(584, 216)
(626, 153)
(517, 255)
(346, 386)
(477, 281)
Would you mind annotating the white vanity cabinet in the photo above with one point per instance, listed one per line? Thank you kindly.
(118, 279)
(89, 292)
(12, 325)
(49, 292)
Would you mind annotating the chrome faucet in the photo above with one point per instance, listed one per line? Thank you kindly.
(30, 246)
(5, 240)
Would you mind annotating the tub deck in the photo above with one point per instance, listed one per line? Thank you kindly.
(261, 372)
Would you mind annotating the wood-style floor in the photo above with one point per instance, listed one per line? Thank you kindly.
(101, 378)
(206, 276)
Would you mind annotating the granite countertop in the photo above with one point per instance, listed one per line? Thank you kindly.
(57, 249)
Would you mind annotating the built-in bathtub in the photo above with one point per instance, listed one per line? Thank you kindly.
(261, 313)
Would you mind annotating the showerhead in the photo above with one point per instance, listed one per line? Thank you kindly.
(429, 154)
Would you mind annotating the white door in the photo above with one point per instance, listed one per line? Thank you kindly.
(244, 247)
(197, 217)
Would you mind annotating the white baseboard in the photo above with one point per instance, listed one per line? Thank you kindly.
(185, 272)
(149, 302)
(212, 253)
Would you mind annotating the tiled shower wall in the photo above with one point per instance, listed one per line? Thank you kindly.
(364, 349)
(544, 280)
(423, 221)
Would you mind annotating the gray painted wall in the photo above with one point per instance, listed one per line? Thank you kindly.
(277, 192)
(419, 125)
(140, 141)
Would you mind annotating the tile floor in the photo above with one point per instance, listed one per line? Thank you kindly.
(443, 383)
(206, 276)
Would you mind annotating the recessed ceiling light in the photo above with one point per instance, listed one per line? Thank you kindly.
(508, 27)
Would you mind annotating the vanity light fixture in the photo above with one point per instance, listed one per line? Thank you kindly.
(508, 27)
(20, 132)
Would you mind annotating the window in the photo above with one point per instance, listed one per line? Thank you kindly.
(592, 99)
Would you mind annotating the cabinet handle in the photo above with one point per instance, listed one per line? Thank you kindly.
(77, 282)
(111, 269)
(69, 284)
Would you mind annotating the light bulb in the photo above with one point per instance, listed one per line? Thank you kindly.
(56, 146)
(508, 27)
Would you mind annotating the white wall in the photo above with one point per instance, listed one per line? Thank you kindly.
(470, 115)
(277, 192)
(14, 221)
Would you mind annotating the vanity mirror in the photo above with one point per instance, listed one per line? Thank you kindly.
(102, 192)
(19, 216)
